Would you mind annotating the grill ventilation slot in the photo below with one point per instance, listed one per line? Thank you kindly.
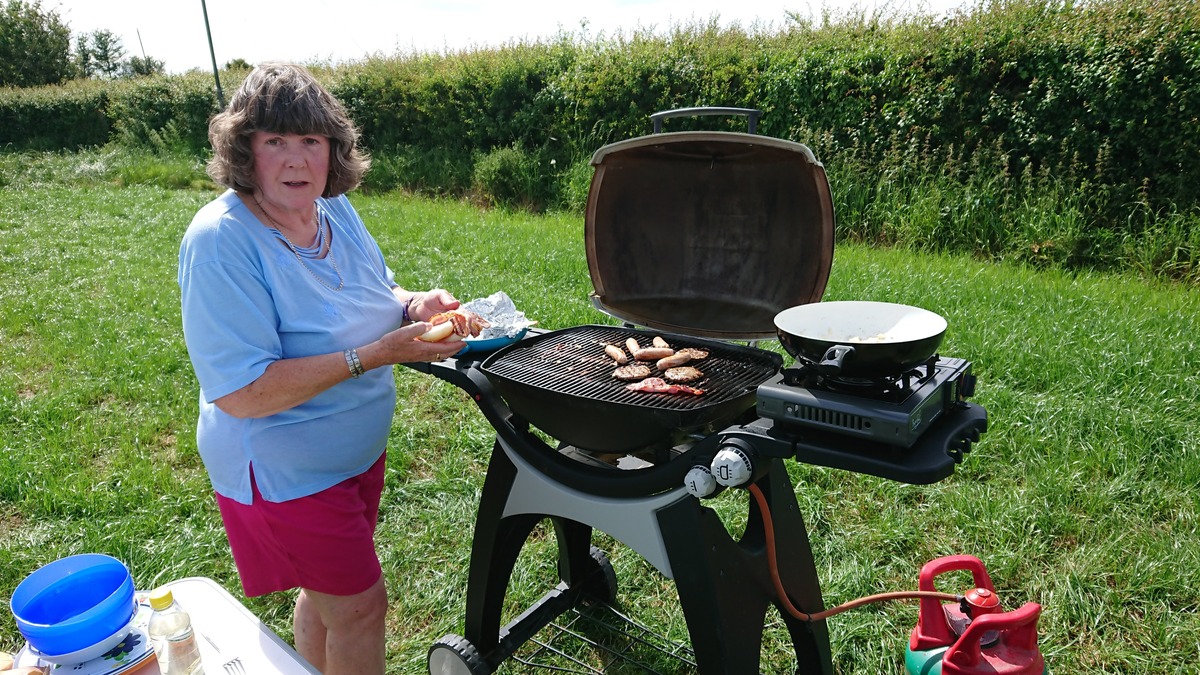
(832, 418)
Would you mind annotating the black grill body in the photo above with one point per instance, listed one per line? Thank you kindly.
(561, 382)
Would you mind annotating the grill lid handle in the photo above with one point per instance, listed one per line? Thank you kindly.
(750, 114)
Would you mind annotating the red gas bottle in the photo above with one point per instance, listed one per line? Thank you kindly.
(973, 637)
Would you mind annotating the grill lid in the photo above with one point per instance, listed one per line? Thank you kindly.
(707, 233)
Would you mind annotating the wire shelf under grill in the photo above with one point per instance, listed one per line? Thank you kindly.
(597, 639)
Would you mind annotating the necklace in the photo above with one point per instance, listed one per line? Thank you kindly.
(320, 243)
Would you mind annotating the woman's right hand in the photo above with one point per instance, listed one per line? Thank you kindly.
(402, 346)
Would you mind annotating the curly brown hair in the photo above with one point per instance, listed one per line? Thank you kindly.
(283, 98)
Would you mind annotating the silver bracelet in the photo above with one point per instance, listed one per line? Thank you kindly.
(353, 363)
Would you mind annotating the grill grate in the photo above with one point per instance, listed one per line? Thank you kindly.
(561, 382)
(573, 363)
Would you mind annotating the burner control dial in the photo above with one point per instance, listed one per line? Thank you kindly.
(732, 466)
(699, 482)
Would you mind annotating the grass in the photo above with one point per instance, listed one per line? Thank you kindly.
(1082, 496)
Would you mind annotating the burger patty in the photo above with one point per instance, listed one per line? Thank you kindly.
(632, 372)
(681, 374)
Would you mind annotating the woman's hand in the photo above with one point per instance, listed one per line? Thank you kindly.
(402, 346)
(423, 306)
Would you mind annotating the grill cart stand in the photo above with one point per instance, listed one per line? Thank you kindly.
(723, 585)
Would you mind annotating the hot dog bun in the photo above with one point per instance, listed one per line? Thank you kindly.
(438, 333)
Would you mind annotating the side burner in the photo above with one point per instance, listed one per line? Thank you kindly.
(893, 412)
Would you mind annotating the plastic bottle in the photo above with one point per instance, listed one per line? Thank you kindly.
(171, 634)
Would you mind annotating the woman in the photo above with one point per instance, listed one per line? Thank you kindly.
(290, 315)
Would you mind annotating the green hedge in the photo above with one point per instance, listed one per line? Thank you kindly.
(86, 113)
(171, 113)
(1102, 96)
(1091, 104)
(53, 118)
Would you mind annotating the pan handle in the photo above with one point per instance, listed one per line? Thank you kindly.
(751, 115)
(831, 362)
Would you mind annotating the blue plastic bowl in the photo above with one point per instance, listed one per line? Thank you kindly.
(73, 603)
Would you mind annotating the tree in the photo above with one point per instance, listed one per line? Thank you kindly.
(140, 66)
(100, 54)
(35, 46)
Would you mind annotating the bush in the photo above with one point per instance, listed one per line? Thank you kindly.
(511, 177)
(53, 118)
(428, 171)
(164, 113)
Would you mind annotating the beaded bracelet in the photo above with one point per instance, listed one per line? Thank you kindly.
(407, 303)
(353, 363)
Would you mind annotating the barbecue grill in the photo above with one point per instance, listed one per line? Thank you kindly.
(700, 238)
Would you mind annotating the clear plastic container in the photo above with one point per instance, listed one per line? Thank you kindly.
(171, 633)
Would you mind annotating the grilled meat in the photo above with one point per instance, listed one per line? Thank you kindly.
(656, 385)
(682, 374)
(632, 345)
(652, 353)
(677, 359)
(616, 354)
(632, 372)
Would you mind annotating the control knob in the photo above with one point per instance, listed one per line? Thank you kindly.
(731, 466)
(699, 482)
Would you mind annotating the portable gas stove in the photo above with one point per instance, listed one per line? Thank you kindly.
(703, 239)
(893, 410)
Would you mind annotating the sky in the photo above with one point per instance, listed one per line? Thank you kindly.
(341, 31)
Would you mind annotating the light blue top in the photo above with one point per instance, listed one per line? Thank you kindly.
(248, 302)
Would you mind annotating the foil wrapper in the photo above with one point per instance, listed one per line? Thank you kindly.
(502, 313)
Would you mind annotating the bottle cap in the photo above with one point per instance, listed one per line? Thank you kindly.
(161, 598)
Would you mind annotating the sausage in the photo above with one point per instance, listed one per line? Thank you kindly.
(632, 345)
(661, 343)
(652, 353)
(616, 354)
(674, 360)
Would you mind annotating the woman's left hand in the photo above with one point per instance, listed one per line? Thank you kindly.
(434, 301)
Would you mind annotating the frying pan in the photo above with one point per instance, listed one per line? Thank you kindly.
(859, 338)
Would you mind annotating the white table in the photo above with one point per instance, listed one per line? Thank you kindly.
(232, 640)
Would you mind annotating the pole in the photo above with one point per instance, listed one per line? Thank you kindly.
(213, 55)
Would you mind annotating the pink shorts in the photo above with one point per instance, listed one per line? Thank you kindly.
(324, 542)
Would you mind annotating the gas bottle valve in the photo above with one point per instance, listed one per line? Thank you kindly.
(974, 636)
(699, 482)
(732, 465)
